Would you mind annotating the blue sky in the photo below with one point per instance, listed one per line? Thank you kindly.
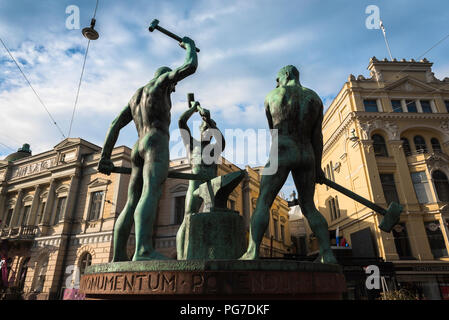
(243, 45)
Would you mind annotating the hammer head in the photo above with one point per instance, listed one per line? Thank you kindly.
(153, 25)
(391, 218)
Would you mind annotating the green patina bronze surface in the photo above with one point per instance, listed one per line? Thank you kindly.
(195, 150)
(219, 234)
(149, 108)
(297, 113)
(212, 265)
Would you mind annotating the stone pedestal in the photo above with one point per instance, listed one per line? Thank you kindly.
(217, 279)
(219, 234)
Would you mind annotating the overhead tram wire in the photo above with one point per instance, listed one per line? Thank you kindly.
(29, 84)
(91, 29)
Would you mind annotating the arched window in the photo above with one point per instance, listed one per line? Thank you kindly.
(406, 146)
(441, 185)
(420, 144)
(380, 148)
(436, 146)
(85, 261)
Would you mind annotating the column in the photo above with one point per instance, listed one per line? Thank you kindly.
(49, 204)
(418, 237)
(17, 209)
(34, 206)
(406, 191)
(71, 195)
(3, 210)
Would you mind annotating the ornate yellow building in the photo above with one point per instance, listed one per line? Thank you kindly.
(58, 213)
(386, 138)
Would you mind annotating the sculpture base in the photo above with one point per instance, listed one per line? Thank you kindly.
(214, 279)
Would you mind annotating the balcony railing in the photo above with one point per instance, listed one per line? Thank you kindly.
(19, 233)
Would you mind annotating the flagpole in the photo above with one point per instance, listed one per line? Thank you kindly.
(385, 37)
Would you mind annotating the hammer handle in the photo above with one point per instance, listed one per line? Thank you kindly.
(172, 35)
(171, 174)
(355, 196)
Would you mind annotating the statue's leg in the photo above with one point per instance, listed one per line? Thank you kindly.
(156, 156)
(123, 225)
(192, 204)
(305, 184)
(270, 185)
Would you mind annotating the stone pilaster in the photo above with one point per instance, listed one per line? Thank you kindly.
(3, 210)
(17, 209)
(71, 195)
(418, 238)
(403, 173)
(49, 204)
(34, 206)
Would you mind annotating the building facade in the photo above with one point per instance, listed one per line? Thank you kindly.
(58, 214)
(386, 138)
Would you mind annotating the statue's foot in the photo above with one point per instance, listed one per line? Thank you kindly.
(119, 258)
(327, 257)
(154, 255)
(249, 255)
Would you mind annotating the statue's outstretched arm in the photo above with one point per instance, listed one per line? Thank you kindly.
(122, 120)
(188, 68)
(185, 130)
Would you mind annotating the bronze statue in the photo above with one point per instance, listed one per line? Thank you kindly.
(297, 114)
(195, 151)
(149, 108)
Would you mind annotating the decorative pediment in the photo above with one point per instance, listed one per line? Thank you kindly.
(410, 84)
(69, 142)
(28, 198)
(98, 182)
(62, 189)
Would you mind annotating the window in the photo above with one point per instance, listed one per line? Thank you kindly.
(276, 230)
(370, 105)
(282, 233)
(337, 206)
(380, 148)
(396, 105)
(179, 209)
(411, 106)
(421, 186)
(406, 146)
(436, 240)
(60, 206)
(420, 144)
(85, 261)
(9, 217)
(436, 146)
(447, 105)
(426, 107)
(333, 208)
(96, 200)
(389, 188)
(441, 185)
(401, 241)
(26, 214)
(332, 171)
(231, 204)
